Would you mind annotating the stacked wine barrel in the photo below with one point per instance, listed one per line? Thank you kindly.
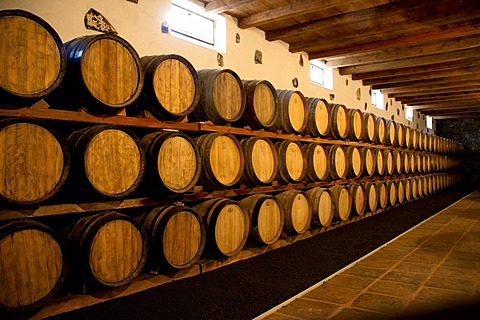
(299, 163)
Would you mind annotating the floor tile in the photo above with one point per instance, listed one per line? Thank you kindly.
(461, 273)
(379, 303)
(350, 281)
(280, 316)
(393, 288)
(307, 309)
(389, 255)
(405, 277)
(415, 267)
(443, 296)
(365, 271)
(357, 314)
(329, 293)
(461, 263)
(377, 263)
(456, 284)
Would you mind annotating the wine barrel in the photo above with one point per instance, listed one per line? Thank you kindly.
(176, 235)
(408, 137)
(359, 198)
(261, 161)
(392, 192)
(389, 161)
(108, 160)
(338, 162)
(173, 162)
(408, 189)
(104, 73)
(379, 161)
(293, 114)
(227, 225)
(413, 162)
(420, 186)
(33, 265)
(317, 162)
(382, 193)
(397, 161)
(420, 140)
(110, 249)
(171, 89)
(419, 161)
(406, 161)
(340, 125)
(381, 129)
(400, 128)
(267, 217)
(414, 187)
(34, 161)
(368, 161)
(355, 119)
(222, 159)
(222, 97)
(322, 206)
(430, 184)
(400, 186)
(354, 162)
(262, 106)
(391, 133)
(414, 139)
(342, 202)
(318, 117)
(372, 196)
(292, 161)
(298, 212)
(33, 58)
(369, 128)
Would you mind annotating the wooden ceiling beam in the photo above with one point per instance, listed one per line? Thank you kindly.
(219, 6)
(447, 105)
(438, 46)
(475, 115)
(411, 62)
(435, 91)
(289, 11)
(466, 111)
(418, 69)
(440, 86)
(470, 77)
(371, 14)
(432, 100)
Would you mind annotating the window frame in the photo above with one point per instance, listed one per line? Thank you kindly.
(378, 100)
(327, 74)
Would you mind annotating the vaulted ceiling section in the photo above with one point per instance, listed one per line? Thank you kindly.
(422, 53)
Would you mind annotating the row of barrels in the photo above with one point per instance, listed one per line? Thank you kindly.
(104, 73)
(111, 248)
(111, 162)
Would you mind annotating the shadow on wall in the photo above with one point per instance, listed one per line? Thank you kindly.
(466, 132)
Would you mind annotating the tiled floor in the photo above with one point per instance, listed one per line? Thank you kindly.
(431, 267)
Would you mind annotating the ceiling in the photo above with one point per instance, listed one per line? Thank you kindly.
(422, 53)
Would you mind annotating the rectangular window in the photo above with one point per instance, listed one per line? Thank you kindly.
(189, 22)
(429, 122)
(377, 99)
(409, 113)
(321, 74)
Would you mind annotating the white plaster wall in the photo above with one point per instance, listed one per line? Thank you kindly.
(140, 23)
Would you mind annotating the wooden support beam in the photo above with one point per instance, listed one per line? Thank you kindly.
(219, 6)
(471, 78)
(440, 99)
(468, 89)
(411, 62)
(465, 112)
(292, 10)
(447, 105)
(442, 86)
(457, 116)
(438, 46)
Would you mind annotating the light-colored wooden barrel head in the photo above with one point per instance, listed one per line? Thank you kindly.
(182, 238)
(31, 264)
(264, 160)
(177, 163)
(400, 191)
(414, 187)
(389, 162)
(301, 213)
(382, 194)
(225, 160)
(31, 162)
(269, 220)
(408, 137)
(110, 71)
(320, 161)
(264, 103)
(340, 162)
(392, 193)
(357, 127)
(400, 135)
(358, 200)
(296, 111)
(356, 161)
(398, 161)
(174, 86)
(322, 118)
(372, 197)
(230, 228)
(380, 162)
(381, 129)
(113, 162)
(370, 127)
(369, 162)
(413, 162)
(294, 161)
(408, 189)
(343, 204)
(392, 133)
(31, 59)
(227, 96)
(325, 205)
(341, 121)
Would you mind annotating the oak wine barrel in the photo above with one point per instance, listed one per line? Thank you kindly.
(267, 218)
(342, 202)
(400, 186)
(397, 161)
(262, 106)
(298, 211)
(379, 161)
(413, 161)
(420, 186)
(400, 128)
(33, 58)
(292, 161)
(381, 129)
(173, 161)
(261, 161)
(222, 97)
(408, 137)
(414, 187)
(414, 138)
(408, 189)
(110, 249)
(318, 117)
(293, 114)
(171, 89)
(176, 235)
(372, 196)
(359, 198)
(391, 133)
(322, 206)
(108, 160)
(104, 74)
(338, 162)
(389, 162)
(382, 193)
(222, 159)
(227, 225)
(33, 265)
(369, 127)
(34, 161)
(355, 119)
(339, 121)
(354, 161)
(368, 160)
(392, 192)
(406, 161)
(317, 161)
